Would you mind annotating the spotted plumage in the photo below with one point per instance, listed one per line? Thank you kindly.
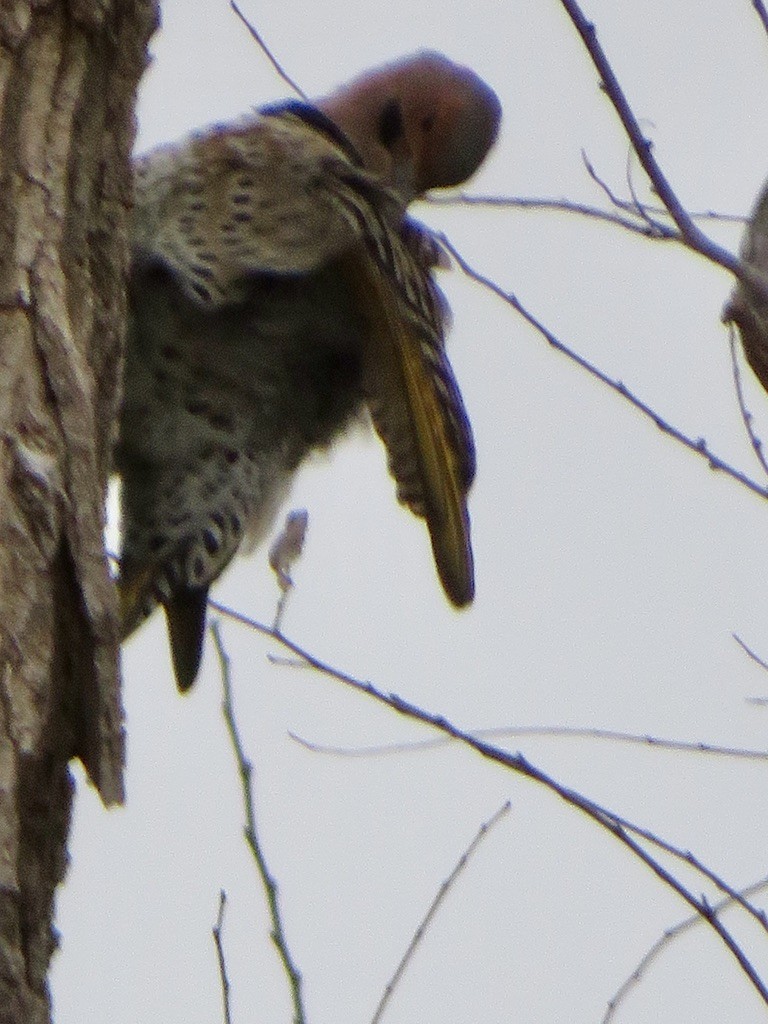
(278, 289)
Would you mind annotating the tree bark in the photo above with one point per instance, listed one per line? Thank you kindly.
(68, 77)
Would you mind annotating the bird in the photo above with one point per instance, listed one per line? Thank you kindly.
(747, 306)
(278, 291)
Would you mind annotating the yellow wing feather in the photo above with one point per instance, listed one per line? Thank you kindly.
(411, 413)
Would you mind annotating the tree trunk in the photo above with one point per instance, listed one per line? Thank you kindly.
(68, 77)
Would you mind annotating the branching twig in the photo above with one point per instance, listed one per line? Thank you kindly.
(697, 445)
(694, 237)
(658, 947)
(604, 187)
(558, 206)
(223, 977)
(752, 278)
(650, 225)
(245, 770)
(628, 834)
(433, 907)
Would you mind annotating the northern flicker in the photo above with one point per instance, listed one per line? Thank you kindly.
(278, 289)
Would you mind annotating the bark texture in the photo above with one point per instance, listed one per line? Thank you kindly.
(68, 76)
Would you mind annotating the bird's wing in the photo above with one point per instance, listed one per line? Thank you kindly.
(414, 400)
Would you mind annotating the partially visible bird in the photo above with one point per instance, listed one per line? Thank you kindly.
(748, 307)
(277, 290)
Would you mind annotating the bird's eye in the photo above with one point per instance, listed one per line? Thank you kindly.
(390, 123)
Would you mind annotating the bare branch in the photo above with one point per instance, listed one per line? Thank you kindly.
(748, 651)
(445, 888)
(555, 731)
(636, 208)
(245, 770)
(762, 13)
(558, 206)
(628, 834)
(697, 445)
(283, 74)
(223, 977)
(602, 184)
(655, 228)
(669, 935)
(693, 236)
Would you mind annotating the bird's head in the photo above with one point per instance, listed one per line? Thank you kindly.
(420, 123)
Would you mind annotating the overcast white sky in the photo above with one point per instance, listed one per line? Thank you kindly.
(612, 567)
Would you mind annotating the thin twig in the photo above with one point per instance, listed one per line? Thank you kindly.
(762, 13)
(559, 206)
(604, 187)
(626, 832)
(675, 851)
(581, 209)
(649, 225)
(654, 226)
(751, 277)
(693, 236)
(276, 659)
(245, 770)
(290, 82)
(501, 732)
(748, 650)
(697, 445)
(445, 888)
(658, 947)
(223, 977)
(746, 415)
